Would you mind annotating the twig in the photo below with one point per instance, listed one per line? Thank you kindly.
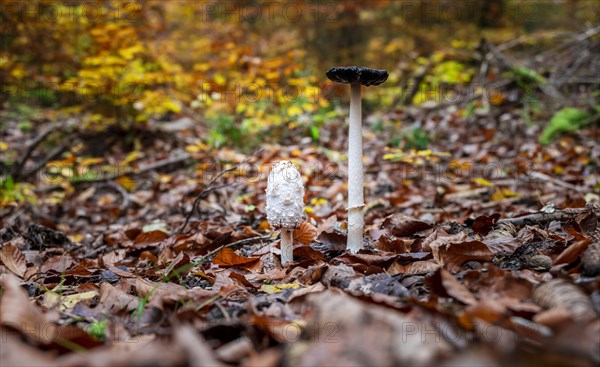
(544, 177)
(143, 168)
(124, 194)
(513, 64)
(55, 153)
(209, 187)
(32, 145)
(223, 311)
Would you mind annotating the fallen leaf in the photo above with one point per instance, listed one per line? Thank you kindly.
(228, 258)
(409, 228)
(52, 299)
(417, 267)
(276, 288)
(13, 259)
(446, 285)
(17, 312)
(572, 252)
(483, 224)
(305, 234)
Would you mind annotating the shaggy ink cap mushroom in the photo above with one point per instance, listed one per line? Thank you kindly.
(355, 74)
(285, 205)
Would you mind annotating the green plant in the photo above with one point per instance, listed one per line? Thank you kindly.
(97, 329)
(566, 120)
(415, 138)
(16, 192)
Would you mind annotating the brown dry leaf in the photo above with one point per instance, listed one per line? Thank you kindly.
(150, 237)
(333, 241)
(414, 268)
(17, 312)
(228, 258)
(572, 252)
(59, 264)
(455, 289)
(443, 283)
(15, 352)
(342, 330)
(483, 224)
(327, 225)
(440, 238)
(305, 234)
(13, 259)
(454, 255)
(169, 292)
(115, 300)
(196, 349)
(367, 259)
(307, 252)
(408, 228)
(389, 244)
(131, 353)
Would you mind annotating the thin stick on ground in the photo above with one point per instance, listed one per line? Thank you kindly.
(540, 217)
(209, 187)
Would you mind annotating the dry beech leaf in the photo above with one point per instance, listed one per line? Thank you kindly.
(150, 237)
(408, 228)
(305, 234)
(444, 283)
(13, 259)
(227, 258)
(17, 312)
(414, 268)
(454, 255)
(114, 300)
(572, 252)
(483, 224)
(52, 299)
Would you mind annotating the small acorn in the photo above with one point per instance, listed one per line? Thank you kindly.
(285, 204)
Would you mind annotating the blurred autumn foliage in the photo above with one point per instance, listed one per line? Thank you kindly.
(242, 68)
(135, 61)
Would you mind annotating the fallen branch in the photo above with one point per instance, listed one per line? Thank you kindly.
(124, 194)
(143, 168)
(541, 217)
(209, 187)
(34, 143)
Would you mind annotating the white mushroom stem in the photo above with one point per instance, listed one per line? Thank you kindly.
(356, 220)
(287, 245)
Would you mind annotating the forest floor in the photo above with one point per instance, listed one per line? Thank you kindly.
(480, 251)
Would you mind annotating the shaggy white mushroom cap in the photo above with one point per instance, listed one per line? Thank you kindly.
(285, 196)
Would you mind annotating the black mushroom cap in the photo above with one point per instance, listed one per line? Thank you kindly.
(355, 74)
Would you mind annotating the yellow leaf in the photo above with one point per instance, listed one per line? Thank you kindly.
(482, 181)
(294, 111)
(133, 156)
(276, 288)
(126, 182)
(76, 237)
(52, 299)
(3, 146)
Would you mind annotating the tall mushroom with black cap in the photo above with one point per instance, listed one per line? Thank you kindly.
(355, 76)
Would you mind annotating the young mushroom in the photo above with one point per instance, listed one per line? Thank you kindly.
(285, 205)
(355, 76)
